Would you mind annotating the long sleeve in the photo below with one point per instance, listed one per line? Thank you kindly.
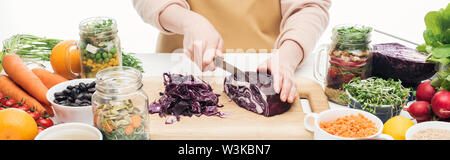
(303, 21)
(149, 10)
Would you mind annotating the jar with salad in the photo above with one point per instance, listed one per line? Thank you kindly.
(120, 105)
(349, 57)
(99, 45)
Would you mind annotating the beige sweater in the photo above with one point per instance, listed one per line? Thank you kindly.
(247, 24)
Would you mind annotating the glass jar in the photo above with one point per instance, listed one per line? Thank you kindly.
(120, 105)
(99, 45)
(349, 56)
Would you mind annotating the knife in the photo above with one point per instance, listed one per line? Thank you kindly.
(219, 62)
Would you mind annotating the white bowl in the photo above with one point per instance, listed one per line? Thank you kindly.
(70, 131)
(426, 125)
(312, 121)
(66, 114)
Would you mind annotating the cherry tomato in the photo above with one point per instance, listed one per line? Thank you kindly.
(40, 129)
(10, 102)
(3, 100)
(333, 72)
(44, 122)
(15, 105)
(24, 107)
(34, 114)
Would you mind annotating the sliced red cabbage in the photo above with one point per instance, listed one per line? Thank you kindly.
(186, 96)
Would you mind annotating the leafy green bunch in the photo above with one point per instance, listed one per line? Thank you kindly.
(437, 36)
(437, 44)
(30, 47)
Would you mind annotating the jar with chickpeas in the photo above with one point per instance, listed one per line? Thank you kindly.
(99, 45)
(349, 57)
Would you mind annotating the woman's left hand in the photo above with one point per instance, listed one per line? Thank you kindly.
(282, 66)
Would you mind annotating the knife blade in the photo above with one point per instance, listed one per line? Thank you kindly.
(219, 62)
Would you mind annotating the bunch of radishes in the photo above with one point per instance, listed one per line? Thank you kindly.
(430, 104)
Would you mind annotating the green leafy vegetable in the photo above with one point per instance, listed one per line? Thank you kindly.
(376, 92)
(30, 47)
(352, 37)
(437, 36)
(129, 60)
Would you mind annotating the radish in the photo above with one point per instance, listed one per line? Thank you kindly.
(420, 110)
(425, 91)
(440, 104)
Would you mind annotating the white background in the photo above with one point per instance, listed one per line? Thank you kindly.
(60, 18)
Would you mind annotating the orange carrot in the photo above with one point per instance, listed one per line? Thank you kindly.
(129, 130)
(48, 78)
(24, 77)
(8, 87)
(136, 121)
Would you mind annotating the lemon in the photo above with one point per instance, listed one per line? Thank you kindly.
(397, 127)
(16, 124)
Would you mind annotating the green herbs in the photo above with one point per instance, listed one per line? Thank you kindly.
(97, 25)
(352, 37)
(30, 47)
(131, 61)
(376, 92)
(437, 36)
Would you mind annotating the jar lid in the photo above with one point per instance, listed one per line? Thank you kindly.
(119, 79)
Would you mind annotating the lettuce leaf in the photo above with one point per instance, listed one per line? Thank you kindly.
(437, 36)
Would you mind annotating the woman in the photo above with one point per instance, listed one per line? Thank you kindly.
(206, 28)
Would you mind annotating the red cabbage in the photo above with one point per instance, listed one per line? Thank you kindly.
(187, 96)
(255, 94)
(396, 61)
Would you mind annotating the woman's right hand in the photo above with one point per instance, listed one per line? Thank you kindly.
(201, 41)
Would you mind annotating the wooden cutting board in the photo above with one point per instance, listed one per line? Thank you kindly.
(241, 124)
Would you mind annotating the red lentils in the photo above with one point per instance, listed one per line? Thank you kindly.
(352, 126)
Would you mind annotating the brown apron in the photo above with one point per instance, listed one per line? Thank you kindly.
(248, 25)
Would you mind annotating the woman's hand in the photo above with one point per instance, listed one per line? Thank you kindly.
(202, 42)
(282, 66)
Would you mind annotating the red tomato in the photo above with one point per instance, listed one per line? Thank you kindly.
(3, 101)
(15, 105)
(40, 129)
(24, 107)
(333, 72)
(10, 102)
(34, 114)
(44, 122)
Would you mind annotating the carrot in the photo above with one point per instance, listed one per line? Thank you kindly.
(8, 87)
(136, 121)
(48, 78)
(24, 77)
(129, 130)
